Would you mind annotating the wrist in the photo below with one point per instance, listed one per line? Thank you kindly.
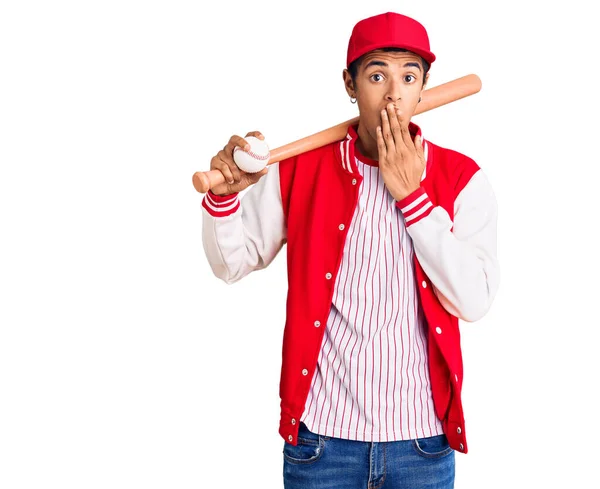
(404, 196)
(231, 194)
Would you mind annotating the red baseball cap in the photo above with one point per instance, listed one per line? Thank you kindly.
(389, 30)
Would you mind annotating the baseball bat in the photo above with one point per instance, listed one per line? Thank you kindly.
(432, 98)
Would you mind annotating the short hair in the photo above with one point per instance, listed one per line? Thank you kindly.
(353, 68)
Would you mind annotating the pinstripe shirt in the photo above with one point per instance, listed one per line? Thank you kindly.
(372, 379)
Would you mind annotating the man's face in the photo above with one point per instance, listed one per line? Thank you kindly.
(384, 78)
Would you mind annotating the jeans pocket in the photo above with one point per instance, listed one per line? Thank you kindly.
(308, 449)
(432, 447)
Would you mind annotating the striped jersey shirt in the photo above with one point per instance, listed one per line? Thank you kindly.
(372, 379)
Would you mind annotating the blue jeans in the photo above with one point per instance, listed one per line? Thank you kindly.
(323, 462)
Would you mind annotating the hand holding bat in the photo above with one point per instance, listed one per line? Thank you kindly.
(234, 179)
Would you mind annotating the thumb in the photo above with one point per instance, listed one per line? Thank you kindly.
(255, 177)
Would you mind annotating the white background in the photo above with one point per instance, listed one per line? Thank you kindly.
(124, 363)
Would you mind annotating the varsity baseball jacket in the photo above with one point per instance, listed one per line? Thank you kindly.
(308, 202)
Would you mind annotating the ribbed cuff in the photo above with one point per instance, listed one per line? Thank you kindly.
(415, 206)
(221, 205)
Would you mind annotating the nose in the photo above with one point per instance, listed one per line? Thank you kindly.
(393, 98)
(394, 93)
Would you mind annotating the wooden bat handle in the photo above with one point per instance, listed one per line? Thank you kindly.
(432, 98)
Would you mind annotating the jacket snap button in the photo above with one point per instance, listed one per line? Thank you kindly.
(424, 284)
(290, 438)
(327, 276)
(462, 447)
(341, 226)
(294, 422)
(458, 430)
(438, 330)
(317, 324)
(354, 181)
(304, 372)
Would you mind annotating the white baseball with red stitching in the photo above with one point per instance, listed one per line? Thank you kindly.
(255, 159)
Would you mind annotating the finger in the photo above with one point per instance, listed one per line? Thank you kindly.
(237, 141)
(405, 133)
(218, 164)
(419, 146)
(395, 126)
(388, 138)
(256, 134)
(235, 170)
(381, 148)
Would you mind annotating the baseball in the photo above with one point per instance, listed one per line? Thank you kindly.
(255, 159)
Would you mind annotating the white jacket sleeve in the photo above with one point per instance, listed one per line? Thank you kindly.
(460, 261)
(244, 234)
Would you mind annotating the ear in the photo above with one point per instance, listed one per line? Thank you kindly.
(350, 90)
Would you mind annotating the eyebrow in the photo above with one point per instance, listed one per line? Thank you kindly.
(383, 63)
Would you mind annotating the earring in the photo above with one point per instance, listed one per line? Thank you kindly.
(353, 100)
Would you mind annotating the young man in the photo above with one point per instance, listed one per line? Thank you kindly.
(390, 240)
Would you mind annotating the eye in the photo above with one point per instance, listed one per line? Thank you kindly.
(409, 76)
(376, 74)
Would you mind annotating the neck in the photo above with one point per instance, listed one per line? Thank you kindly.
(366, 145)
